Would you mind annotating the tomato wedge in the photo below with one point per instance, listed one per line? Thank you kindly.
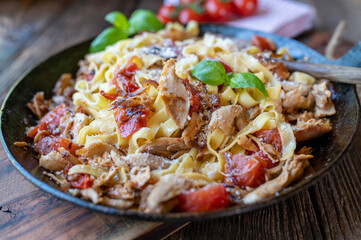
(195, 98)
(49, 144)
(263, 43)
(205, 199)
(244, 171)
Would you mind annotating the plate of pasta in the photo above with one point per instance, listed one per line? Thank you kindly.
(188, 122)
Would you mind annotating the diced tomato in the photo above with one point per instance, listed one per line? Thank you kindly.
(205, 199)
(263, 43)
(244, 171)
(195, 98)
(32, 131)
(245, 7)
(271, 136)
(226, 67)
(166, 14)
(109, 96)
(130, 120)
(89, 76)
(261, 156)
(48, 144)
(83, 181)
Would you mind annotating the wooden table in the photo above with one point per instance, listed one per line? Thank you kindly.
(31, 31)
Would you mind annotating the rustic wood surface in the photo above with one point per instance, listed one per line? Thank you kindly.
(31, 31)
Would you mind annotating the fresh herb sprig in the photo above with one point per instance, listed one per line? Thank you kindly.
(213, 73)
(141, 20)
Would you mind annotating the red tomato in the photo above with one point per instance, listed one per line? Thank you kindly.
(195, 98)
(108, 96)
(83, 181)
(271, 136)
(187, 14)
(245, 171)
(130, 120)
(205, 199)
(226, 67)
(125, 77)
(49, 144)
(50, 122)
(166, 14)
(245, 7)
(263, 43)
(219, 10)
(261, 156)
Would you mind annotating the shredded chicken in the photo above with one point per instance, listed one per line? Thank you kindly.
(305, 131)
(140, 176)
(64, 86)
(297, 96)
(53, 161)
(324, 105)
(193, 128)
(174, 94)
(292, 170)
(39, 106)
(166, 147)
(95, 149)
(225, 118)
(147, 159)
(166, 189)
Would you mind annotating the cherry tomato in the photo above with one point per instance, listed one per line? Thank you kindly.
(245, 7)
(195, 98)
(82, 181)
(166, 14)
(245, 171)
(205, 199)
(187, 14)
(263, 43)
(109, 96)
(219, 10)
(49, 144)
(125, 77)
(271, 136)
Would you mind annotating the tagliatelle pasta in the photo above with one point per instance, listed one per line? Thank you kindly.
(135, 128)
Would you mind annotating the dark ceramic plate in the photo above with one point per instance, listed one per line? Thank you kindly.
(327, 150)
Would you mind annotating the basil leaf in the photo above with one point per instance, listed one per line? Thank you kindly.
(247, 80)
(210, 72)
(117, 19)
(109, 36)
(143, 20)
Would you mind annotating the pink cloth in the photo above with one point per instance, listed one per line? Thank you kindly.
(285, 18)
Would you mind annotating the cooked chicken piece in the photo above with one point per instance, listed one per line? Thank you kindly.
(324, 105)
(164, 207)
(53, 161)
(91, 194)
(292, 170)
(305, 116)
(80, 120)
(247, 144)
(166, 189)
(147, 159)
(120, 192)
(140, 176)
(95, 149)
(166, 147)
(311, 129)
(174, 94)
(64, 85)
(193, 128)
(297, 96)
(225, 118)
(66, 122)
(39, 106)
(253, 112)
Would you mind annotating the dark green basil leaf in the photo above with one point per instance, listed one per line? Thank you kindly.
(109, 36)
(143, 20)
(117, 19)
(247, 80)
(210, 72)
